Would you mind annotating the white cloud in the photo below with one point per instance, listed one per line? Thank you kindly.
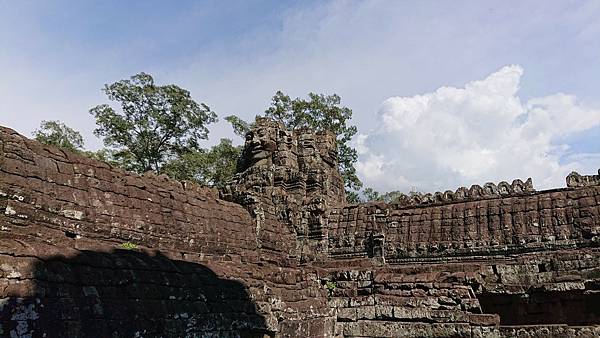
(476, 134)
(363, 51)
(358, 143)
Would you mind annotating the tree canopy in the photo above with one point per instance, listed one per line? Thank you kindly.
(159, 127)
(240, 127)
(213, 167)
(59, 134)
(154, 125)
(372, 195)
(321, 112)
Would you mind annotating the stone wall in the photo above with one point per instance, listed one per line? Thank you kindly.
(123, 293)
(560, 218)
(196, 265)
(78, 196)
(550, 294)
(89, 250)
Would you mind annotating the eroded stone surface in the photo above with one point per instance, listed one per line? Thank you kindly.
(88, 250)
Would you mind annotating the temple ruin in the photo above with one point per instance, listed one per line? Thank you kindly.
(90, 250)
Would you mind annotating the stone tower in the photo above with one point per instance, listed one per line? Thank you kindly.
(292, 175)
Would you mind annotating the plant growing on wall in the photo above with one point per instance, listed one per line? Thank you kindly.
(129, 246)
(330, 286)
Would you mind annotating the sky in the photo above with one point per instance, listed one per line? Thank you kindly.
(444, 93)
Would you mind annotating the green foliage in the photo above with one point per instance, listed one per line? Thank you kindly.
(240, 127)
(330, 286)
(391, 196)
(129, 246)
(369, 195)
(58, 134)
(352, 196)
(321, 112)
(121, 159)
(154, 125)
(103, 155)
(213, 167)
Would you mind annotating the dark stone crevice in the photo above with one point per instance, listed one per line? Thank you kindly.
(572, 307)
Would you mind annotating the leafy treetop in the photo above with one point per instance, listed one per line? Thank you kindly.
(240, 127)
(58, 134)
(370, 194)
(154, 124)
(320, 112)
(214, 167)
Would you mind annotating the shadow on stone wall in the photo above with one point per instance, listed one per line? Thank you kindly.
(128, 294)
(570, 307)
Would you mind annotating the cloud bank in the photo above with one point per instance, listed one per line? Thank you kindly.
(479, 133)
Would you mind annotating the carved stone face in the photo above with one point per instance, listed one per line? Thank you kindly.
(260, 145)
(286, 150)
(286, 140)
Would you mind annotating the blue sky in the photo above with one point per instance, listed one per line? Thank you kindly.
(56, 55)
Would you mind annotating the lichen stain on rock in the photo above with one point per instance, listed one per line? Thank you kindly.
(73, 214)
(22, 315)
(10, 211)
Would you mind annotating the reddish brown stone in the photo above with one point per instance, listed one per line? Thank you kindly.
(90, 250)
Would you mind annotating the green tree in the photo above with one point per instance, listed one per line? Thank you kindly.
(321, 112)
(352, 196)
(214, 167)
(371, 195)
(124, 161)
(61, 135)
(58, 134)
(240, 127)
(154, 125)
(391, 196)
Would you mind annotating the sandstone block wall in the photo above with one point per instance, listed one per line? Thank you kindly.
(88, 250)
(561, 218)
(78, 196)
(197, 266)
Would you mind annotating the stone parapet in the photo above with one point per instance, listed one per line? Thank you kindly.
(90, 250)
